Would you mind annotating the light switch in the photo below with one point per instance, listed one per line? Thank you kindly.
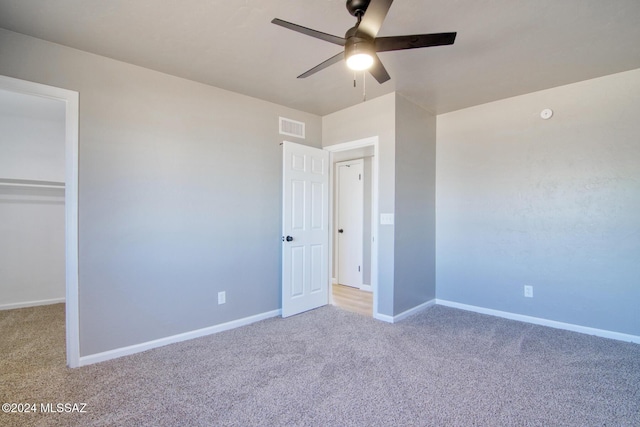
(386, 219)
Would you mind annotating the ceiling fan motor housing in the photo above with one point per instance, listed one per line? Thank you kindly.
(358, 42)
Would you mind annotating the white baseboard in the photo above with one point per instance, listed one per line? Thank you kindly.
(414, 310)
(31, 303)
(383, 317)
(404, 314)
(543, 322)
(363, 287)
(137, 348)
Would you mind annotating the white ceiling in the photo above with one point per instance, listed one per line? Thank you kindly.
(504, 47)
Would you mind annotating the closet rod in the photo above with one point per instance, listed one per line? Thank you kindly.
(9, 182)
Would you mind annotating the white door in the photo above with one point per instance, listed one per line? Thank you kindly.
(350, 207)
(305, 228)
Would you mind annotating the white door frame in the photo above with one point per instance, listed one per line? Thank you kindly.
(346, 146)
(71, 100)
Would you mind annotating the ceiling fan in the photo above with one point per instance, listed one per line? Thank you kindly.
(360, 42)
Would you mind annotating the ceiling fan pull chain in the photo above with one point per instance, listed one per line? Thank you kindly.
(364, 86)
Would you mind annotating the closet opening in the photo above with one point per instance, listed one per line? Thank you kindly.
(38, 202)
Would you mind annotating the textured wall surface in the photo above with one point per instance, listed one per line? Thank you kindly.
(554, 204)
(415, 228)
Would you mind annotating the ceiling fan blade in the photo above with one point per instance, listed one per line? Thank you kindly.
(309, 32)
(374, 16)
(378, 71)
(385, 44)
(334, 59)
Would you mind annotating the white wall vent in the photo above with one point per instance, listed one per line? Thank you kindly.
(291, 128)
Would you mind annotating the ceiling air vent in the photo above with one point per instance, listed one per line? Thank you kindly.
(291, 128)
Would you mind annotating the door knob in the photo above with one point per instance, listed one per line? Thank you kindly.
(340, 230)
(288, 239)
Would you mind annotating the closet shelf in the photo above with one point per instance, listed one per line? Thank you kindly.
(9, 182)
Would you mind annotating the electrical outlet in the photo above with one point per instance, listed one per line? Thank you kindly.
(528, 291)
(222, 297)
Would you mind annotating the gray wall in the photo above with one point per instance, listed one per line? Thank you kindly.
(180, 195)
(373, 118)
(550, 203)
(415, 240)
(31, 137)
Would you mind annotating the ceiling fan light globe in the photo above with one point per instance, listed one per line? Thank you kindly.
(360, 61)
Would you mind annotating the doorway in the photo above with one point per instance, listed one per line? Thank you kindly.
(363, 151)
(69, 99)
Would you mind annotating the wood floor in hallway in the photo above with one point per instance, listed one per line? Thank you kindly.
(353, 299)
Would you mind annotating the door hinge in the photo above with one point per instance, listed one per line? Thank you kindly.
(358, 269)
(359, 177)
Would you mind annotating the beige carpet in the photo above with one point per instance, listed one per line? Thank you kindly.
(329, 367)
